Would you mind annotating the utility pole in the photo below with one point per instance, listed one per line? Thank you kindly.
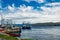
(0, 4)
(1, 12)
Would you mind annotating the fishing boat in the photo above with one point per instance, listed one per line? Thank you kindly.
(8, 28)
(26, 26)
(14, 32)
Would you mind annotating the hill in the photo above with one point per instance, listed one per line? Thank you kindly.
(47, 24)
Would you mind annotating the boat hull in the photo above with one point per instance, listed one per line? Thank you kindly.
(14, 34)
(26, 27)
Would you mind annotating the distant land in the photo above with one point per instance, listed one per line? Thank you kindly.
(47, 24)
(42, 24)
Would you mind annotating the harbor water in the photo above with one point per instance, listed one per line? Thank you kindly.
(44, 33)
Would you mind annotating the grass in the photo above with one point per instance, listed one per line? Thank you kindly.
(7, 37)
(26, 39)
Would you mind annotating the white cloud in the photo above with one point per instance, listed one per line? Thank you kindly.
(11, 8)
(29, 14)
(22, 13)
(39, 1)
(53, 4)
(54, 9)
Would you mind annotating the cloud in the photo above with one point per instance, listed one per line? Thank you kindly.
(39, 1)
(21, 13)
(29, 14)
(11, 8)
(53, 4)
(54, 9)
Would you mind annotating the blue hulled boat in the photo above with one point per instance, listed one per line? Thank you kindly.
(26, 26)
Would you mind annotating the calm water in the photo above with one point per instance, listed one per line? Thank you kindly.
(45, 33)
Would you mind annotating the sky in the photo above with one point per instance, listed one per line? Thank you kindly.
(33, 11)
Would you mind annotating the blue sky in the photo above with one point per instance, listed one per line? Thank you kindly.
(17, 3)
(34, 11)
(33, 3)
